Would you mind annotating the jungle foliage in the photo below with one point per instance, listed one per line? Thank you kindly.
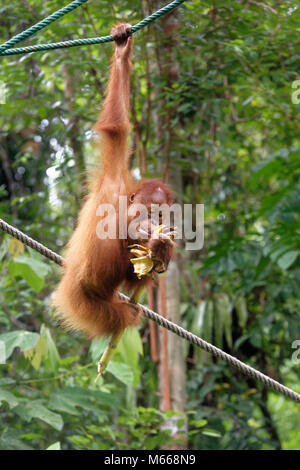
(236, 143)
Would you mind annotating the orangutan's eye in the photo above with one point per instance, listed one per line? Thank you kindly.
(131, 197)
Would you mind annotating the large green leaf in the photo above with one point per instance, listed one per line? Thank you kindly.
(126, 367)
(69, 399)
(32, 270)
(121, 371)
(20, 338)
(36, 409)
(130, 347)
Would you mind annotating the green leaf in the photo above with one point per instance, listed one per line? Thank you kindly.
(55, 446)
(9, 398)
(130, 347)
(105, 398)
(97, 348)
(240, 341)
(30, 269)
(31, 435)
(241, 309)
(121, 371)
(69, 398)
(200, 423)
(54, 358)
(20, 338)
(197, 325)
(9, 443)
(161, 438)
(39, 268)
(35, 354)
(211, 433)
(287, 259)
(35, 409)
(67, 361)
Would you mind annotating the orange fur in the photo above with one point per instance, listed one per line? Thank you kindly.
(94, 269)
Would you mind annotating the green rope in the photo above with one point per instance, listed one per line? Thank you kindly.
(82, 42)
(41, 24)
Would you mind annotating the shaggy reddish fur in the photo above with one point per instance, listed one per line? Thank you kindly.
(94, 269)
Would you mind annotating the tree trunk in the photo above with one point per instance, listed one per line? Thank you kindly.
(172, 370)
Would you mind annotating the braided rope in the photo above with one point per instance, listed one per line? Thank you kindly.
(82, 42)
(41, 24)
(231, 360)
(178, 330)
(14, 232)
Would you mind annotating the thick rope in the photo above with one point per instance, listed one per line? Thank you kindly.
(14, 232)
(41, 24)
(178, 330)
(80, 42)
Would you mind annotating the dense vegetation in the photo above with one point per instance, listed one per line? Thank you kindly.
(223, 123)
